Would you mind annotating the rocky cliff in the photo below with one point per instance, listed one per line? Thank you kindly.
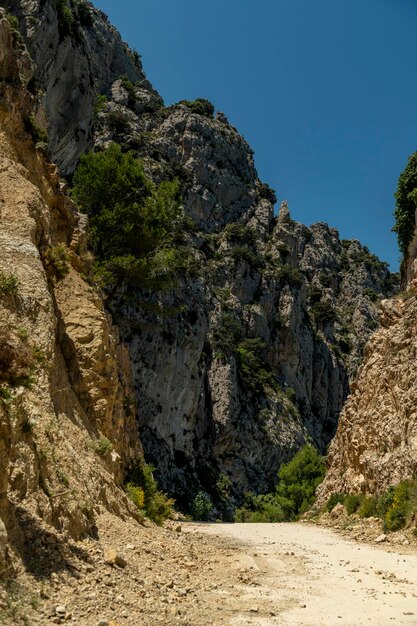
(251, 353)
(65, 434)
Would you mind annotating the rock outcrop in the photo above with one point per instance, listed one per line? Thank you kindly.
(376, 442)
(66, 433)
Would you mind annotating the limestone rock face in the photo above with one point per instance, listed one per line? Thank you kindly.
(64, 377)
(376, 441)
(74, 62)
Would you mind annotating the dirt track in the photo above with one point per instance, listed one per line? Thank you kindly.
(311, 576)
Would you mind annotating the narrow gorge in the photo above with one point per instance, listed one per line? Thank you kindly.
(215, 355)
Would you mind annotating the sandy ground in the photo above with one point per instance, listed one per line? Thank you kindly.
(312, 576)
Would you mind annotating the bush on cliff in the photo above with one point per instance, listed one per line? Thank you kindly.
(133, 222)
(406, 203)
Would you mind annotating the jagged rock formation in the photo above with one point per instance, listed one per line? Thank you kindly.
(65, 433)
(251, 353)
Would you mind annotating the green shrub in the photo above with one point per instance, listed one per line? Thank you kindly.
(227, 335)
(323, 313)
(241, 253)
(259, 509)
(298, 481)
(201, 106)
(201, 507)
(265, 191)
(85, 15)
(353, 502)
(371, 293)
(368, 507)
(403, 502)
(101, 102)
(157, 506)
(136, 494)
(290, 275)
(66, 19)
(8, 284)
(133, 223)
(56, 261)
(118, 123)
(38, 134)
(130, 88)
(103, 446)
(406, 202)
(335, 498)
(241, 233)
(253, 371)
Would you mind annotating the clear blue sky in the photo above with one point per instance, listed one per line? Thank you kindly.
(324, 91)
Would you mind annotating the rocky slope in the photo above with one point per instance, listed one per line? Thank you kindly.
(376, 441)
(65, 434)
(251, 354)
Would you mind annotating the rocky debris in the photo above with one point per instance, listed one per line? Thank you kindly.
(172, 578)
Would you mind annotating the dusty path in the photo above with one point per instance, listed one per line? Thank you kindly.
(308, 575)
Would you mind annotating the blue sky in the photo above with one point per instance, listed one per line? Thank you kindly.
(325, 92)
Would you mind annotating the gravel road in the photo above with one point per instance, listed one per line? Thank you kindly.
(308, 575)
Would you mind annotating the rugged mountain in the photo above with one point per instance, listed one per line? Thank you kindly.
(65, 433)
(251, 352)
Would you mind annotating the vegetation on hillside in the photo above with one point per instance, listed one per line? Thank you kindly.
(133, 222)
(406, 203)
(397, 507)
(294, 493)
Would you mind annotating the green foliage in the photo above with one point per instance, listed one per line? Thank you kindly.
(396, 507)
(404, 502)
(201, 106)
(294, 494)
(14, 22)
(371, 293)
(335, 498)
(5, 394)
(290, 275)
(103, 446)
(265, 191)
(85, 15)
(298, 481)
(157, 506)
(8, 284)
(56, 261)
(202, 507)
(130, 88)
(133, 223)
(38, 134)
(118, 123)
(323, 313)
(368, 507)
(227, 335)
(223, 493)
(100, 103)
(325, 280)
(352, 502)
(66, 19)
(259, 509)
(406, 198)
(242, 253)
(241, 233)
(136, 494)
(252, 369)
